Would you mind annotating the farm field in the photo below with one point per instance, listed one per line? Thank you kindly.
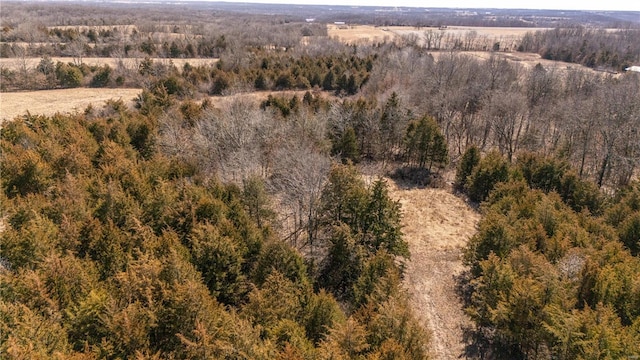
(49, 102)
(483, 38)
(129, 63)
(372, 34)
(526, 60)
(353, 34)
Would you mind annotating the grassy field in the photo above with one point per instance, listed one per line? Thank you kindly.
(437, 226)
(353, 34)
(129, 63)
(49, 102)
(483, 37)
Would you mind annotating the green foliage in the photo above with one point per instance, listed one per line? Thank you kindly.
(344, 196)
(142, 137)
(343, 264)
(379, 280)
(220, 83)
(491, 170)
(102, 77)
(154, 101)
(347, 147)
(28, 244)
(381, 227)
(393, 122)
(550, 174)
(281, 258)
(630, 233)
(25, 173)
(112, 250)
(323, 313)
(345, 341)
(541, 272)
(87, 320)
(26, 333)
(424, 144)
(470, 159)
(69, 76)
(372, 217)
(257, 202)
(394, 333)
(280, 103)
(220, 261)
(278, 299)
(261, 82)
(365, 239)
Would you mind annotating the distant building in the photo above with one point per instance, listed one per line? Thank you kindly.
(339, 23)
(633, 68)
(310, 20)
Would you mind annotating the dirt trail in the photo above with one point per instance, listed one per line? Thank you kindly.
(437, 225)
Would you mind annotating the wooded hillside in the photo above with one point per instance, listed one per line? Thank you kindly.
(114, 250)
(219, 216)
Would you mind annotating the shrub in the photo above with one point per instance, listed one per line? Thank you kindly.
(102, 77)
(490, 171)
(469, 161)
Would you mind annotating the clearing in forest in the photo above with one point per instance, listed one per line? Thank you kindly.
(437, 225)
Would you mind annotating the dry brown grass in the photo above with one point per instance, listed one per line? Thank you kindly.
(437, 225)
(355, 34)
(489, 31)
(49, 102)
(371, 34)
(129, 63)
(485, 37)
(256, 97)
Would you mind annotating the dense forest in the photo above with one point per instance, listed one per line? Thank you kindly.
(263, 228)
(554, 266)
(113, 250)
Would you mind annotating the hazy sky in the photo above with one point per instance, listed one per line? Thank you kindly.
(502, 4)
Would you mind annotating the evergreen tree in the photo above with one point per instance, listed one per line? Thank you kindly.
(347, 147)
(425, 145)
(470, 159)
(491, 170)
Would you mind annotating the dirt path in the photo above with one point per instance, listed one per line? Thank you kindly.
(437, 225)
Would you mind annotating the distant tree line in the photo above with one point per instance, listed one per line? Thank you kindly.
(594, 48)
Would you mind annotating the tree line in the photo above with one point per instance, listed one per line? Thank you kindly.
(594, 48)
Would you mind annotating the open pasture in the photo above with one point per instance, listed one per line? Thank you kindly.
(479, 38)
(16, 64)
(49, 102)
